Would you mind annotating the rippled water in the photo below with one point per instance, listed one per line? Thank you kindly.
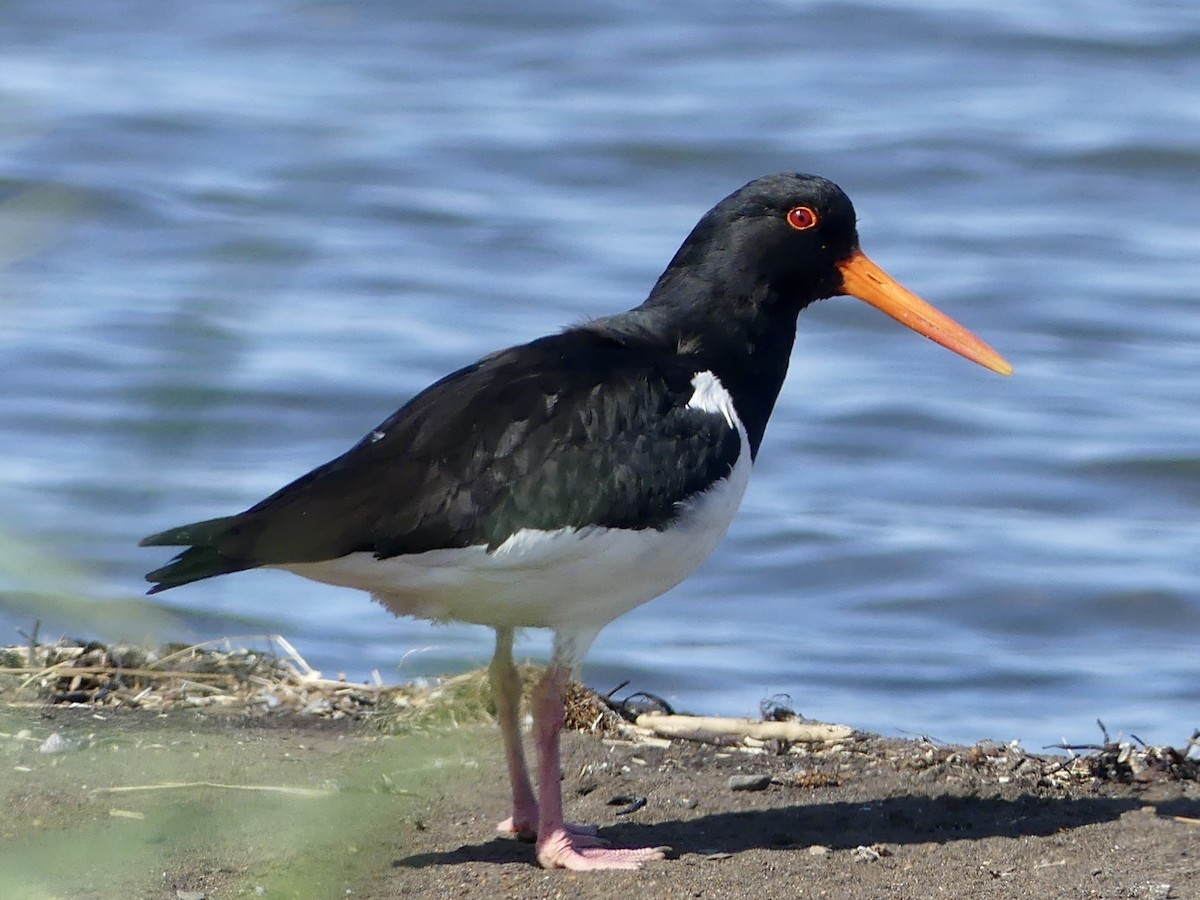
(235, 236)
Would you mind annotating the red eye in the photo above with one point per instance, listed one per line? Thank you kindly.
(802, 218)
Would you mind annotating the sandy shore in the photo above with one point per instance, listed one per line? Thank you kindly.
(190, 801)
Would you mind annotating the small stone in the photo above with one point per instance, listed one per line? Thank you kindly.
(632, 804)
(749, 782)
(56, 743)
(819, 850)
(1154, 891)
(874, 853)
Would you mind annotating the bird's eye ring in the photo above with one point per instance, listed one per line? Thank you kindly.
(802, 218)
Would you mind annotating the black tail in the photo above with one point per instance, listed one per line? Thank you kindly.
(201, 560)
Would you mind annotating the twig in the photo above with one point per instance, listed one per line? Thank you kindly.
(33, 639)
(306, 671)
(228, 641)
(608, 696)
(177, 785)
(62, 669)
(694, 726)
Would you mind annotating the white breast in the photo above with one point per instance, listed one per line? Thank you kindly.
(568, 578)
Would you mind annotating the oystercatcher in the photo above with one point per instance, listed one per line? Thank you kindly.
(561, 483)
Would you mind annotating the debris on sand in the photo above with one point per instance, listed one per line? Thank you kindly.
(265, 674)
(222, 673)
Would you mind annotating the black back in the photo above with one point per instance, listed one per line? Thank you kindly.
(588, 427)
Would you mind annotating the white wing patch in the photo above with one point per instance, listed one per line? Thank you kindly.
(711, 397)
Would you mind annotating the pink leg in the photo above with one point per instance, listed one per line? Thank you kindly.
(557, 845)
(506, 690)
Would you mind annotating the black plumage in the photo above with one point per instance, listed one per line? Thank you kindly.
(587, 427)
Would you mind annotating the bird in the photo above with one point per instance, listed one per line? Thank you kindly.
(561, 483)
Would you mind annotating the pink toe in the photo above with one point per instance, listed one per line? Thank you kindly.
(562, 850)
(526, 831)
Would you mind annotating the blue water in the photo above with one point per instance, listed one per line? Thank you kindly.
(236, 235)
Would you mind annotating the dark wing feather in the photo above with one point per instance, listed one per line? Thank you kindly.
(572, 430)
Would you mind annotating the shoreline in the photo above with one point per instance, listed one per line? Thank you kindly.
(319, 793)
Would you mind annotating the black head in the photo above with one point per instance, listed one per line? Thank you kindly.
(783, 234)
(774, 246)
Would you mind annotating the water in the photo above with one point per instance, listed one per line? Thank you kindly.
(235, 236)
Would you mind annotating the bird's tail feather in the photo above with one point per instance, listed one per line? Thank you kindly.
(202, 558)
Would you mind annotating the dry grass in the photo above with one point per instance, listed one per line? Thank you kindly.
(274, 677)
(260, 674)
(227, 673)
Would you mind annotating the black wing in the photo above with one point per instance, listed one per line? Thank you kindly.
(572, 430)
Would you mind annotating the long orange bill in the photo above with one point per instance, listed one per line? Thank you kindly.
(863, 279)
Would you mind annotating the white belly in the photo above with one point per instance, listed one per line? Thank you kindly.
(548, 579)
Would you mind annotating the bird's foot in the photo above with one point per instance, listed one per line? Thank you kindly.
(562, 849)
(526, 830)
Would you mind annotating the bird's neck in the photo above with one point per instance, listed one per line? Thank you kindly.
(742, 333)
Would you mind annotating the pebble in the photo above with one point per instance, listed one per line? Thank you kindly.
(866, 854)
(819, 850)
(632, 804)
(56, 743)
(1153, 891)
(749, 782)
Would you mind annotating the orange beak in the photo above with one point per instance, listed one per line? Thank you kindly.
(863, 279)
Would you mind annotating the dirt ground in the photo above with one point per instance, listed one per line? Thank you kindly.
(876, 818)
(198, 803)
